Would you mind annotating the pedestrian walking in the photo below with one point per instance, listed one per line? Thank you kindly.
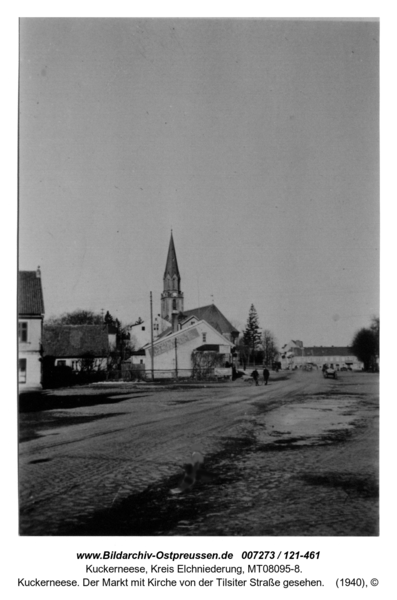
(266, 375)
(255, 376)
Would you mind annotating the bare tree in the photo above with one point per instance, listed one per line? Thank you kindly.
(204, 363)
(269, 345)
(244, 352)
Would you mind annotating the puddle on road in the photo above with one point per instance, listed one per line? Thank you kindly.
(312, 422)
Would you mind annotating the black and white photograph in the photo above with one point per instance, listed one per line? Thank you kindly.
(198, 277)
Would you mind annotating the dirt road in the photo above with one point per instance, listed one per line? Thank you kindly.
(296, 457)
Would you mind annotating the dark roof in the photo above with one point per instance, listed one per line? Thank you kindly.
(164, 333)
(327, 351)
(208, 348)
(30, 293)
(171, 267)
(75, 340)
(213, 316)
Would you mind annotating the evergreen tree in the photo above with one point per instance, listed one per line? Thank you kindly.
(252, 336)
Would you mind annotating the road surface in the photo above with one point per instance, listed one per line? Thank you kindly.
(296, 457)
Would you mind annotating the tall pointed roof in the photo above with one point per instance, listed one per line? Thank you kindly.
(171, 267)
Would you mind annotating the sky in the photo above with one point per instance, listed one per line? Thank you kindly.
(255, 141)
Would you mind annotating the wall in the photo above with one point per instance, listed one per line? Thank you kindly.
(30, 351)
(187, 341)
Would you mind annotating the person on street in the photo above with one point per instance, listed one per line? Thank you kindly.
(266, 375)
(255, 376)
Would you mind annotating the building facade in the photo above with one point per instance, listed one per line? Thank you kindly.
(295, 355)
(30, 329)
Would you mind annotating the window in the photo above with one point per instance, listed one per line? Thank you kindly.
(23, 331)
(204, 338)
(174, 304)
(61, 363)
(22, 370)
(143, 328)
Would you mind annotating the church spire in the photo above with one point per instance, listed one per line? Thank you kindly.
(172, 297)
(171, 267)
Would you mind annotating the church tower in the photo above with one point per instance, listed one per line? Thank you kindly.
(172, 297)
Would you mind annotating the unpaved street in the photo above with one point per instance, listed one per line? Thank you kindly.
(296, 457)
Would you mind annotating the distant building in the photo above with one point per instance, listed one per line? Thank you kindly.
(30, 329)
(294, 354)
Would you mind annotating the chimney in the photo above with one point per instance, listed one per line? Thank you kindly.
(38, 273)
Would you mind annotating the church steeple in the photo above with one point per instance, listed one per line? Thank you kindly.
(172, 297)
(171, 273)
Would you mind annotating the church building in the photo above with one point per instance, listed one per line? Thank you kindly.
(193, 337)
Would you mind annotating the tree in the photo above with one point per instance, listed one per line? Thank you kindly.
(124, 345)
(243, 351)
(204, 363)
(375, 328)
(251, 335)
(77, 317)
(270, 350)
(365, 346)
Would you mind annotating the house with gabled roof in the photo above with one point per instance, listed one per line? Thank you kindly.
(30, 329)
(77, 346)
(172, 354)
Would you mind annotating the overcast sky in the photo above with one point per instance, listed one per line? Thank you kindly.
(256, 141)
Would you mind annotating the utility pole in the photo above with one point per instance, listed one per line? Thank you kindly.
(151, 334)
(176, 358)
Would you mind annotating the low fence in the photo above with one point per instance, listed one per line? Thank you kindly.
(66, 377)
(133, 374)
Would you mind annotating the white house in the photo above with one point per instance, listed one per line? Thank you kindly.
(30, 329)
(173, 353)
